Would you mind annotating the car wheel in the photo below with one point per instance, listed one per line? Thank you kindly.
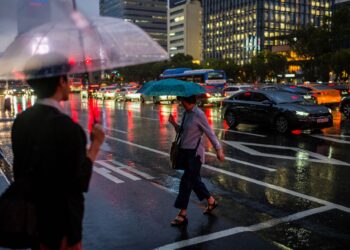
(155, 101)
(281, 124)
(231, 119)
(346, 110)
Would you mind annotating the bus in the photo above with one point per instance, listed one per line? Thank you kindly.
(75, 84)
(205, 77)
(212, 80)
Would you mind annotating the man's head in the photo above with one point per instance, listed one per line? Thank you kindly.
(47, 75)
(188, 102)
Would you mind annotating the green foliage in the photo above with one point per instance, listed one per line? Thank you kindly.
(325, 47)
(267, 65)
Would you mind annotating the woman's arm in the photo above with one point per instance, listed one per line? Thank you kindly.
(204, 125)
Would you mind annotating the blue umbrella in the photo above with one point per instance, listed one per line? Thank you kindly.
(171, 87)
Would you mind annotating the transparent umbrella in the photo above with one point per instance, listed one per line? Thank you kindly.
(89, 44)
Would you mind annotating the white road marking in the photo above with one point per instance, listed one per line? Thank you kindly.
(107, 174)
(245, 163)
(330, 139)
(252, 228)
(278, 188)
(118, 170)
(248, 179)
(239, 132)
(131, 169)
(116, 130)
(208, 153)
(346, 136)
(319, 158)
(142, 117)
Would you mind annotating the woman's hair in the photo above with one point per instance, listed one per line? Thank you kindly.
(190, 99)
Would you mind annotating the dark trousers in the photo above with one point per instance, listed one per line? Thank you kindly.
(191, 180)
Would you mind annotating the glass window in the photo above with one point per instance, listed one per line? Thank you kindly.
(259, 97)
(246, 96)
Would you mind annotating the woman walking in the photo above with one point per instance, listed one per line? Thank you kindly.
(194, 124)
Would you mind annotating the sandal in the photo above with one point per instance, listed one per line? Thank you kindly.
(210, 207)
(177, 223)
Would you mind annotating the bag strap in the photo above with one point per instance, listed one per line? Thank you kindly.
(180, 129)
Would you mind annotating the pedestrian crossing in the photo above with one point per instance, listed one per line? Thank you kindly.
(119, 172)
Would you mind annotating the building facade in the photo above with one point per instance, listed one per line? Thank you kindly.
(239, 29)
(185, 28)
(150, 15)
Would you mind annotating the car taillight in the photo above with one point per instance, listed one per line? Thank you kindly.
(225, 94)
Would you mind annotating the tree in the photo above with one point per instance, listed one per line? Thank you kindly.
(340, 62)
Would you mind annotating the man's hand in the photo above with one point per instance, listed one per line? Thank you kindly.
(220, 155)
(98, 135)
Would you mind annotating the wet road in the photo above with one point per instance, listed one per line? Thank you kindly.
(275, 191)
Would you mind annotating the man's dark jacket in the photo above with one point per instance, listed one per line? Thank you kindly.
(54, 147)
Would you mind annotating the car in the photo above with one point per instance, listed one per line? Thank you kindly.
(306, 93)
(277, 109)
(344, 89)
(89, 90)
(323, 94)
(111, 92)
(128, 93)
(234, 89)
(345, 107)
(164, 98)
(213, 95)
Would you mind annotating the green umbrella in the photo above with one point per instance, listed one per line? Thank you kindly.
(171, 87)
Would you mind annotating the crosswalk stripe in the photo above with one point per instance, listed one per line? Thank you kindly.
(107, 174)
(118, 170)
(131, 169)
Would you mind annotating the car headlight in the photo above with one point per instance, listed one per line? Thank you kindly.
(301, 113)
(330, 111)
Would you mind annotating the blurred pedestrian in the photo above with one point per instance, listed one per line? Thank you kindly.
(7, 105)
(194, 124)
(50, 147)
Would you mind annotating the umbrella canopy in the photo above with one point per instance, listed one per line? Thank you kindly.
(89, 45)
(171, 87)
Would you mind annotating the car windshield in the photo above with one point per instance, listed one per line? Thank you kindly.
(215, 75)
(281, 97)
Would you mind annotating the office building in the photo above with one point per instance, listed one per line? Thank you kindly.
(185, 28)
(239, 29)
(150, 15)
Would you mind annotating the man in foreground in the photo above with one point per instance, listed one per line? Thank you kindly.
(50, 148)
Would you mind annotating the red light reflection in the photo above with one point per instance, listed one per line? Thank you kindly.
(296, 132)
(93, 114)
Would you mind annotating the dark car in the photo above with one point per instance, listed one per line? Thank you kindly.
(345, 107)
(281, 110)
(213, 95)
(306, 93)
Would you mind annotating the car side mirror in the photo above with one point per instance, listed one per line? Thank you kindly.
(267, 102)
